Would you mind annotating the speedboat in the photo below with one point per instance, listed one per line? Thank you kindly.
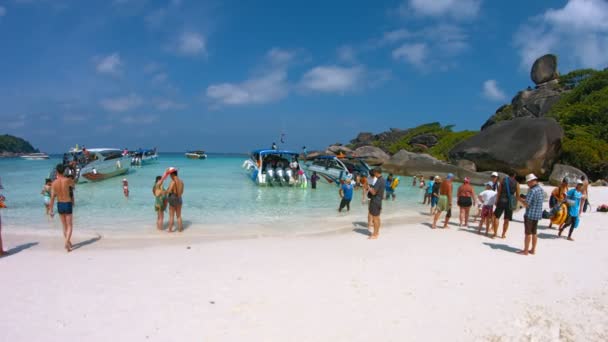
(334, 168)
(95, 164)
(198, 154)
(35, 156)
(143, 156)
(275, 167)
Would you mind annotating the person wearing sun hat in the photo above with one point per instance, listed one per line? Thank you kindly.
(534, 212)
(495, 182)
(506, 201)
(574, 197)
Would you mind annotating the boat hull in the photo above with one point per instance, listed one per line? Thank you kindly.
(101, 170)
(40, 156)
(95, 177)
(196, 156)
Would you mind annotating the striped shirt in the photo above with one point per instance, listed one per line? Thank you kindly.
(535, 198)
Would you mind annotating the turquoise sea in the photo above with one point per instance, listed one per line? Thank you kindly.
(219, 199)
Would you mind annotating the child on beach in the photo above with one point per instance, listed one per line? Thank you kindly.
(435, 193)
(125, 187)
(346, 193)
(46, 195)
(488, 199)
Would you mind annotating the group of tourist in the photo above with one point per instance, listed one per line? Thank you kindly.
(504, 197)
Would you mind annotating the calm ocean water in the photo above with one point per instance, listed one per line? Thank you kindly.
(219, 198)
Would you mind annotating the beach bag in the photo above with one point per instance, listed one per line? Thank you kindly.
(512, 199)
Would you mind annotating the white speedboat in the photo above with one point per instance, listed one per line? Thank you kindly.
(96, 164)
(143, 157)
(199, 154)
(334, 168)
(275, 167)
(35, 156)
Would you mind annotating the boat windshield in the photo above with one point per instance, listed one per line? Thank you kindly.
(111, 154)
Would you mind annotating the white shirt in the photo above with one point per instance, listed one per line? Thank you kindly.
(488, 197)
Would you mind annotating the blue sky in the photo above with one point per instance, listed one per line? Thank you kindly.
(231, 76)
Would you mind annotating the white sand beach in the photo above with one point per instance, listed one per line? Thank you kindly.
(412, 284)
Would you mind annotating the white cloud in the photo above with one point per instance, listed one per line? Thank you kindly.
(397, 35)
(257, 90)
(122, 104)
(578, 31)
(111, 65)
(332, 79)
(166, 104)
(414, 54)
(2, 11)
(456, 9)
(279, 56)
(347, 54)
(492, 92)
(191, 44)
(139, 119)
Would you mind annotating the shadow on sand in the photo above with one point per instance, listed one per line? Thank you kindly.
(547, 236)
(85, 242)
(20, 248)
(362, 231)
(502, 247)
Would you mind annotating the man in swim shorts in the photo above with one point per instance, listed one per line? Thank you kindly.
(175, 191)
(445, 201)
(60, 190)
(375, 203)
(534, 212)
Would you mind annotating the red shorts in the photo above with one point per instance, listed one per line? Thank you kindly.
(486, 211)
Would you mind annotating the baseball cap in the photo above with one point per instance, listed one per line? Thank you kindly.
(579, 182)
(490, 184)
(494, 174)
(450, 176)
(530, 177)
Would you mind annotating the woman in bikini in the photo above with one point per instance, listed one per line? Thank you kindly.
(160, 202)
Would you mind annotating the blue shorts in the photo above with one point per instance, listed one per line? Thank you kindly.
(434, 201)
(64, 208)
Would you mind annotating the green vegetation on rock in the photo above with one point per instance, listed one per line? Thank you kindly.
(583, 114)
(12, 144)
(446, 139)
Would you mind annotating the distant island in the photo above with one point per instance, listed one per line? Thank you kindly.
(11, 146)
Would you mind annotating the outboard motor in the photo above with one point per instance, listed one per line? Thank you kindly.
(269, 174)
(280, 175)
(289, 176)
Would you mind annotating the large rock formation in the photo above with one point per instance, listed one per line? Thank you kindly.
(414, 164)
(561, 171)
(523, 145)
(544, 69)
(533, 102)
(428, 140)
(372, 155)
(336, 149)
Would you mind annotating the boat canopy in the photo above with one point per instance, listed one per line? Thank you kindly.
(264, 152)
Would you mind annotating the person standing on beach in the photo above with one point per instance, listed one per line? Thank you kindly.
(389, 190)
(507, 194)
(574, 197)
(495, 182)
(445, 201)
(375, 203)
(435, 193)
(313, 179)
(160, 202)
(175, 191)
(346, 193)
(466, 199)
(60, 190)
(558, 196)
(46, 194)
(428, 191)
(534, 212)
(487, 198)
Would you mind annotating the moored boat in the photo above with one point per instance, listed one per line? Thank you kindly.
(35, 156)
(334, 168)
(275, 167)
(198, 154)
(143, 156)
(95, 164)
